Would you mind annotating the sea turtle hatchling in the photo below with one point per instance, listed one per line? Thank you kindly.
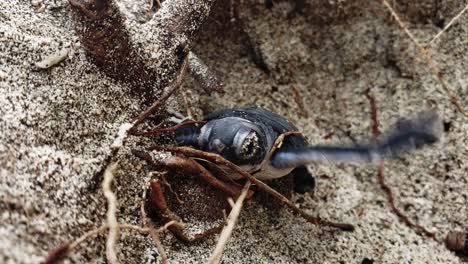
(246, 137)
(267, 146)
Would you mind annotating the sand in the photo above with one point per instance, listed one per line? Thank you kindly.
(57, 126)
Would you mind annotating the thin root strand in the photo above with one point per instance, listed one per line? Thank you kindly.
(381, 178)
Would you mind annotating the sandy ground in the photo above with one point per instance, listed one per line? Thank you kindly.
(57, 126)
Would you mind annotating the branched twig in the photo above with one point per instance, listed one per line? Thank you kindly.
(155, 106)
(112, 45)
(425, 54)
(58, 254)
(381, 178)
(231, 223)
(222, 161)
(191, 167)
(113, 236)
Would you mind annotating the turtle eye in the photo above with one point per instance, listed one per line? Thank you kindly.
(217, 146)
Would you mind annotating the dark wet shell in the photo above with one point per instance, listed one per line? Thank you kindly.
(273, 124)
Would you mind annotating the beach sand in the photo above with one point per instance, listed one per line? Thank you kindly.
(57, 126)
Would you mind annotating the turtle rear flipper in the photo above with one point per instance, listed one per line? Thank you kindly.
(304, 181)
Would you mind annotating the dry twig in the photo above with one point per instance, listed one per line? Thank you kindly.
(155, 106)
(425, 54)
(231, 223)
(448, 25)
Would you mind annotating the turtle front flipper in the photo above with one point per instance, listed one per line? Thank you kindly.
(424, 129)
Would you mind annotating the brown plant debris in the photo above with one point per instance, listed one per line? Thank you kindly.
(381, 178)
(219, 160)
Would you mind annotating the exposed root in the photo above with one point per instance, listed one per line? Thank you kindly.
(108, 169)
(101, 29)
(432, 65)
(381, 178)
(203, 75)
(375, 121)
(231, 223)
(157, 242)
(157, 131)
(154, 235)
(169, 186)
(190, 167)
(159, 202)
(87, 235)
(155, 106)
(391, 199)
(59, 253)
(115, 148)
(126, 54)
(215, 158)
(111, 217)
